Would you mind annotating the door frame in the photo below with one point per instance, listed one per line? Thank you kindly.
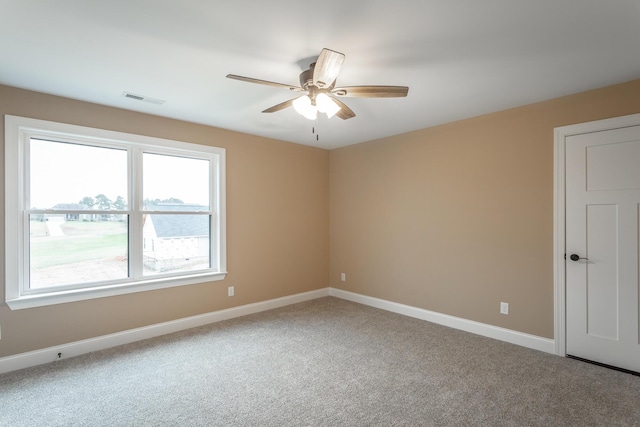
(559, 214)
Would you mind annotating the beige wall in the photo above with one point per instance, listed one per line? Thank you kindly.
(459, 217)
(277, 228)
(453, 219)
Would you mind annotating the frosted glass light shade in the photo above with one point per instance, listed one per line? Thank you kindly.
(326, 105)
(303, 106)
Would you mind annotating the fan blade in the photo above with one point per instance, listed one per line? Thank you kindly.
(345, 112)
(264, 82)
(327, 68)
(280, 106)
(371, 91)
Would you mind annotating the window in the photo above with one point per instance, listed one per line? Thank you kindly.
(92, 213)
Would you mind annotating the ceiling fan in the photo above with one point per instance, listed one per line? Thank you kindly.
(318, 85)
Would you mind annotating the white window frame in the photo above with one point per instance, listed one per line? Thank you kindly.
(18, 131)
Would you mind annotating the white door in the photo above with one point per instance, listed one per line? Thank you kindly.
(602, 230)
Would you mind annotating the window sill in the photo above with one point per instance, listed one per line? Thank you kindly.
(61, 297)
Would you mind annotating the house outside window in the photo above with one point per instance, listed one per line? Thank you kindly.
(92, 213)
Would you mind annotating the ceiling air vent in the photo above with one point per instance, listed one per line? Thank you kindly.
(143, 98)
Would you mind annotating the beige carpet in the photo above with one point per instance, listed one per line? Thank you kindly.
(326, 362)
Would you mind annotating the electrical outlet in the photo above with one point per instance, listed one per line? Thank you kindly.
(504, 308)
(230, 291)
(343, 277)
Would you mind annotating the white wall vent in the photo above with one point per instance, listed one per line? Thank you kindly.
(143, 98)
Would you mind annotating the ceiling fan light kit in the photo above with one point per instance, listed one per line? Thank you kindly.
(304, 107)
(326, 105)
(310, 107)
(318, 83)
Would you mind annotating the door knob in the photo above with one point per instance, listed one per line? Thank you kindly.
(576, 257)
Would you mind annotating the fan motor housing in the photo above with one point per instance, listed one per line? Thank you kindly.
(306, 81)
(306, 77)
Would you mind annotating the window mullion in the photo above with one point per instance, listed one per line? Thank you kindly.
(136, 219)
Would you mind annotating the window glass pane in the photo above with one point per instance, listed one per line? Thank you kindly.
(70, 249)
(75, 176)
(175, 183)
(175, 243)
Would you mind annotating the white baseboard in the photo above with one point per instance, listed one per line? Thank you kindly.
(50, 354)
(531, 341)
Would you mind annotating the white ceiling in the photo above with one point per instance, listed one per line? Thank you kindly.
(460, 58)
